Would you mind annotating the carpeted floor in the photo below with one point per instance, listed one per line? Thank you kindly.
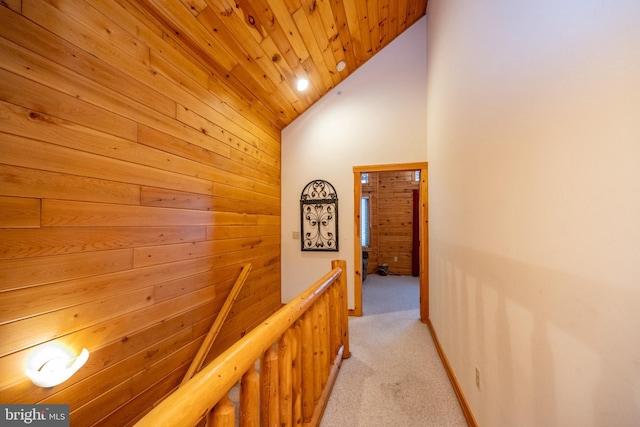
(394, 376)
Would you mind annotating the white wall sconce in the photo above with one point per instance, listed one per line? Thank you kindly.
(302, 84)
(54, 365)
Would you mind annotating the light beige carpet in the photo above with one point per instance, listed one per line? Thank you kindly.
(394, 376)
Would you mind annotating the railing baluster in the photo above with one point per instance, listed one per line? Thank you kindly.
(296, 375)
(308, 394)
(269, 394)
(223, 414)
(323, 330)
(284, 372)
(250, 399)
(335, 319)
(317, 362)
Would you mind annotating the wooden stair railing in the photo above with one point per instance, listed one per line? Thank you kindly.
(300, 349)
(197, 362)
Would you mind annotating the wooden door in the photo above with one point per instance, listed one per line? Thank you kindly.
(423, 233)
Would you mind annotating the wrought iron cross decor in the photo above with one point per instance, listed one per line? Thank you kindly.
(319, 217)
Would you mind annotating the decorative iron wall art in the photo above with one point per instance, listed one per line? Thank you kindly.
(319, 217)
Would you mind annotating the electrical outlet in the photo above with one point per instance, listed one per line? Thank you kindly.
(395, 259)
(477, 378)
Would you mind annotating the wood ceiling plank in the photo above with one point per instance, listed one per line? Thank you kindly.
(195, 6)
(292, 5)
(383, 22)
(288, 73)
(316, 88)
(224, 7)
(353, 24)
(345, 41)
(289, 28)
(302, 22)
(267, 44)
(269, 25)
(421, 9)
(392, 26)
(402, 16)
(246, 16)
(416, 10)
(322, 38)
(323, 7)
(365, 32)
(374, 25)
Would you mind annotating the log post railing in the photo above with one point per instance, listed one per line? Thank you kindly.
(299, 348)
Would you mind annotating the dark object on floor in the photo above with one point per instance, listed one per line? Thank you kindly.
(365, 264)
(383, 269)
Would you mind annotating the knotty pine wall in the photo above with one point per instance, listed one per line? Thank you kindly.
(391, 203)
(133, 187)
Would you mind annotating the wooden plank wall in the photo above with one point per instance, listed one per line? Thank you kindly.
(133, 187)
(391, 200)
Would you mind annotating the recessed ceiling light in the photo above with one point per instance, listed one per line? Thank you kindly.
(340, 66)
(302, 84)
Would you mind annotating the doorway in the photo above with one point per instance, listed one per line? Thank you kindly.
(423, 232)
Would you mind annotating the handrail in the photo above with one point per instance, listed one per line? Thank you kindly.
(197, 362)
(311, 330)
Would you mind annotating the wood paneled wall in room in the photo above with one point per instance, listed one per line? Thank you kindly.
(133, 187)
(391, 203)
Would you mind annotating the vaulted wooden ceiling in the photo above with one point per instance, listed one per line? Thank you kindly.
(260, 48)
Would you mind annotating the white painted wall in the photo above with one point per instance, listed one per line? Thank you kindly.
(534, 193)
(375, 116)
